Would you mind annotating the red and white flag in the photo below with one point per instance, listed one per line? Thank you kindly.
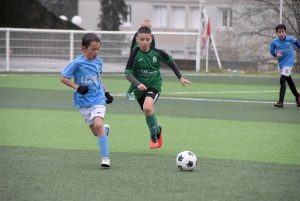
(208, 31)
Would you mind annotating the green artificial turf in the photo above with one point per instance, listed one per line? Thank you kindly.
(246, 148)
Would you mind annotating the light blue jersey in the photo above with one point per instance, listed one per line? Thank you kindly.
(286, 48)
(86, 73)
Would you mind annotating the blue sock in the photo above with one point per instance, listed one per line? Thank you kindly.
(103, 144)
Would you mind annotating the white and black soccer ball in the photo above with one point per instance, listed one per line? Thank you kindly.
(186, 161)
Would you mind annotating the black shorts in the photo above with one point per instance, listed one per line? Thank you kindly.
(151, 92)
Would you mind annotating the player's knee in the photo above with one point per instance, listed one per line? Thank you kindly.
(147, 110)
(98, 126)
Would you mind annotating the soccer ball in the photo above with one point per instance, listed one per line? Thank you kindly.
(186, 161)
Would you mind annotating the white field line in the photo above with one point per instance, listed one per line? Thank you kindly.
(221, 92)
(212, 100)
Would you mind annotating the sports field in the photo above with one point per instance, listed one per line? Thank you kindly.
(246, 148)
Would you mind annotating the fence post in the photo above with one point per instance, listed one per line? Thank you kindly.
(71, 46)
(7, 50)
(199, 37)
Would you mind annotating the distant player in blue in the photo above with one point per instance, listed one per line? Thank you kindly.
(90, 94)
(282, 48)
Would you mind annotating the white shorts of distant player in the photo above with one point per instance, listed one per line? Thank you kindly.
(286, 71)
(88, 113)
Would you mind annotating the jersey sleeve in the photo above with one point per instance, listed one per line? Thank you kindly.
(130, 62)
(167, 59)
(164, 57)
(272, 49)
(297, 43)
(69, 70)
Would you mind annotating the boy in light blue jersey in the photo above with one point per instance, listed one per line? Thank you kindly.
(282, 48)
(90, 94)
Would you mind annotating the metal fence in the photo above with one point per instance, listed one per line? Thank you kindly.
(43, 50)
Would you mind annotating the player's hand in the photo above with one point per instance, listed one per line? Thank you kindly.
(109, 98)
(183, 81)
(83, 89)
(278, 55)
(142, 87)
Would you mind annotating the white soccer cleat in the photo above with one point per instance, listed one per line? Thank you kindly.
(105, 162)
(129, 96)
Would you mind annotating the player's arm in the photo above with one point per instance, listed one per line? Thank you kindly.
(68, 73)
(81, 89)
(272, 50)
(297, 44)
(175, 69)
(129, 72)
(103, 84)
(69, 82)
(173, 66)
(109, 98)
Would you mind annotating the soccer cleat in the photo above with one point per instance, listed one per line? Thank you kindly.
(159, 137)
(129, 96)
(153, 142)
(106, 126)
(298, 101)
(279, 104)
(105, 162)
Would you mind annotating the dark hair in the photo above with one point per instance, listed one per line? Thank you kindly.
(88, 38)
(280, 26)
(144, 30)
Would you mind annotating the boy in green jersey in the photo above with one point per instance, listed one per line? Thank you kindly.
(143, 71)
(134, 45)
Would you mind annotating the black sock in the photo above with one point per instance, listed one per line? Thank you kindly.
(282, 88)
(292, 86)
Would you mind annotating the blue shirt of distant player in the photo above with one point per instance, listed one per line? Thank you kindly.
(286, 48)
(86, 73)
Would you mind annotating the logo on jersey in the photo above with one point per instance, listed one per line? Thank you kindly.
(140, 59)
(98, 67)
(154, 59)
(147, 73)
(89, 79)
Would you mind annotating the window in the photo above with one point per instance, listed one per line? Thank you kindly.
(178, 17)
(226, 17)
(127, 21)
(160, 17)
(194, 18)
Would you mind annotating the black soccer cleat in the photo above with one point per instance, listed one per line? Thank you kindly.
(279, 104)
